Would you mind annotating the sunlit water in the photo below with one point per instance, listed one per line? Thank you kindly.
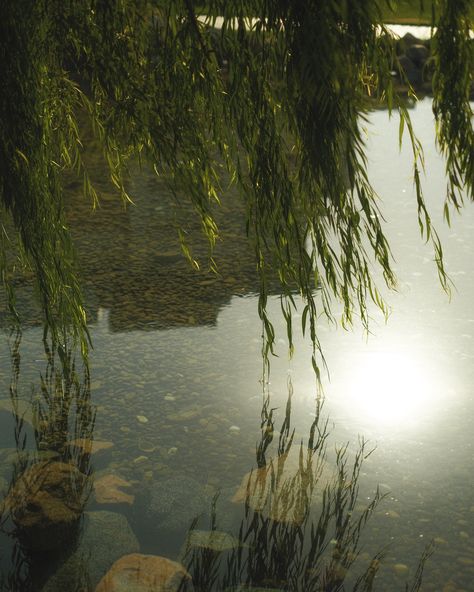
(176, 367)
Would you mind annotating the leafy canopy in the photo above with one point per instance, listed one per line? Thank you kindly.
(275, 98)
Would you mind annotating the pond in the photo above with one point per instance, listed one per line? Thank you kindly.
(176, 411)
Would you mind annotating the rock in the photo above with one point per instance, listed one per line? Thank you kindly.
(184, 415)
(175, 503)
(244, 588)
(145, 573)
(104, 538)
(228, 515)
(418, 54)
(214, 540)
(412, 73)
(142, 419)
(408, 40)
(108, 490)
(400, 569)
(91, 447)
(46, 503)
(281, 489)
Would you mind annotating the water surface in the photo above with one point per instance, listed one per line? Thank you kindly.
(176, 371)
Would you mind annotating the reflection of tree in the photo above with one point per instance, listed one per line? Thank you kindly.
(302, 526)
(50, 484)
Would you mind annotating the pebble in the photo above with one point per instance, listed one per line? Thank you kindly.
(125, 429)
(463, 534)
(172, 450)
(140, 459)
(465, 561)
(169, 397)
(400, 569)
(234, 429)
(392, 514)
(142, 419)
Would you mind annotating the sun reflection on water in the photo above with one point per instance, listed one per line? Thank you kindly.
(390, 387)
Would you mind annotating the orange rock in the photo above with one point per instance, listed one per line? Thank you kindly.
(45, 503)
(108, 490)
(145, 573)
(284, 489)
(87, 446)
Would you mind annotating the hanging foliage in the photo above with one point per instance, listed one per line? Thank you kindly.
(272, 92)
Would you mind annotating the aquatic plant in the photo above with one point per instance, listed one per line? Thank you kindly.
(302, 524)
(50, 483)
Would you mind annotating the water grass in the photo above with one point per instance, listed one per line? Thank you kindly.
(302, 526)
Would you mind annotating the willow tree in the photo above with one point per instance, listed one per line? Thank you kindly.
(271, 95)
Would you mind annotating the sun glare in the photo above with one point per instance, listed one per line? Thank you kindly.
(390, 387)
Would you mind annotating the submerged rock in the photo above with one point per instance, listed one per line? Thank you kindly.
(286, 487)
(245, 588)
(108, 490)
(104, 538)
(46, 503)
(176, 502)
(145, 573)
(91, 447)
(215, 540)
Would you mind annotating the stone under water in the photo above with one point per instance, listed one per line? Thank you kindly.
(285, 488)
(46, 503)
(145, 573)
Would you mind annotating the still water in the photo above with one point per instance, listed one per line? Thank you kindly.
(179, 400)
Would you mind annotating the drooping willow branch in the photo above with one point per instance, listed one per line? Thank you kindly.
(276, 97)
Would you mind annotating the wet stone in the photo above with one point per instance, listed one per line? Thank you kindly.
(104, 538)
(112, 489)
(143, 573)
(175, 503)
(400, 569)
(215, 540)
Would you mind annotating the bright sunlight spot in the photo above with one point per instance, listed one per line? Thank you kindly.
(390, 387)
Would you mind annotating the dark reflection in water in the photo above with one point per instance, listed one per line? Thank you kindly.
(131, 262)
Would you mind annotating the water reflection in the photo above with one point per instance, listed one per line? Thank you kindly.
(302, 524)
(389, 387)
(295, 522)
(48, 479)
(175, 374)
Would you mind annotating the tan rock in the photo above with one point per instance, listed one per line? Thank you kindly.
(145, 573)
(91, 447)
(108, 490)
(46, 502)
(284, 489)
